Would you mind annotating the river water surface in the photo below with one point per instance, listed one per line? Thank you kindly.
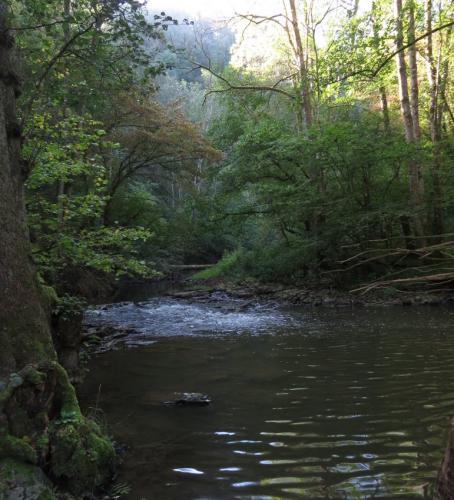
(307, 403)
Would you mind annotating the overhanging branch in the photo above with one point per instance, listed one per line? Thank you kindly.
(230, 86)
(372, 73)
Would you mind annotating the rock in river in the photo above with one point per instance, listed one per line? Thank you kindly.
(189, 399)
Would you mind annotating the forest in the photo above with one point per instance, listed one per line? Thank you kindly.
(298, 148)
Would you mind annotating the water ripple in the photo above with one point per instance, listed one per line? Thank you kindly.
(333, 404)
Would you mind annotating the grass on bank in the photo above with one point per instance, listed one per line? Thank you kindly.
(221, 268)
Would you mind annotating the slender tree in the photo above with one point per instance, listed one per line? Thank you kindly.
(413, 67)
(437, 76)
(304, 84)
(416, 184)
(382, 88)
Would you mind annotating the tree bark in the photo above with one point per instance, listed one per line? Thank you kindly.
(61, 182)
(436, 80)
(35, 392)
(402, 77)
(415, 174)
(24, 331)
(413, 67)
(385, 108)
(302, 67)
(382, 88)
(431, 71)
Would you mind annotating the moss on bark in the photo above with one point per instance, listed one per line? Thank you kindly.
(19, 449)
(66, 394)
(82, 458)
(72, 448)
(24, 481)
(40, 419)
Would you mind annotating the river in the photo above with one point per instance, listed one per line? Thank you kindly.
(307, 403)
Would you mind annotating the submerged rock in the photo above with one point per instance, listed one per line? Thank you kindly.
(189, 399)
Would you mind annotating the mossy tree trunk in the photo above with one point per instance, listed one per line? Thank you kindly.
(40, 421)
(24, 326)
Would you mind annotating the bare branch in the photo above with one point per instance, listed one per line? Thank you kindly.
(257, 20)
(231, 86)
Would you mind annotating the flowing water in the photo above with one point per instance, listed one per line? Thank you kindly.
(307, 403)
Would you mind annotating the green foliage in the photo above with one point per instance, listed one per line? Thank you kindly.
(102, 154)
(124, 182)
(17, 448)
(81, 456)
(301, 200)
(67, 306)
(67, 196)
(223, 267)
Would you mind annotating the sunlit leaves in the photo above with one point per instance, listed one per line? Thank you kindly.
(67, 199)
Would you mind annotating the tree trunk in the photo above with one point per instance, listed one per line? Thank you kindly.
(24, 332)
(385, 108)
(302, 67)
(61, 182)
(382, 89)
(402, 77)
(413, 67)
(35, 392)
(431, 71)
(415, 175)
(436, 81)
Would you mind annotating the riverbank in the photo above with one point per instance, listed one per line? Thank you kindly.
(126, 320)
(310, 296)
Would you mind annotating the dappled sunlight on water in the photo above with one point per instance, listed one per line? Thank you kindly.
(328, 404)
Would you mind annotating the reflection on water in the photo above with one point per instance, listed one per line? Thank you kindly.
(334, 404)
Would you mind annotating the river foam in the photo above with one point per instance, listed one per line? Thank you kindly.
(139, 323)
